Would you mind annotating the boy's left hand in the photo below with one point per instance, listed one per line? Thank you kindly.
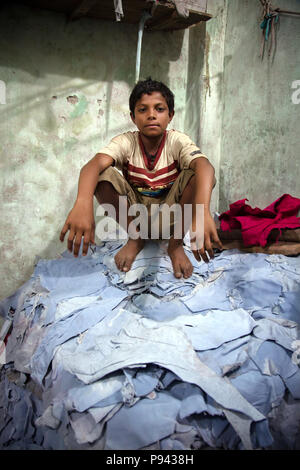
(210, 236)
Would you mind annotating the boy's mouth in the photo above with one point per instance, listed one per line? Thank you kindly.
(152, 125)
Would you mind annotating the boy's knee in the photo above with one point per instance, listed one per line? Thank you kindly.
(103, 187)
(105, 181)
(105, 184)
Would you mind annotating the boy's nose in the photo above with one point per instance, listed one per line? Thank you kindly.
(152, 114)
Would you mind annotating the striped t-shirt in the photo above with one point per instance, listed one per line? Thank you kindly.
(152, 178)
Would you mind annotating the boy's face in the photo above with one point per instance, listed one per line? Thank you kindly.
(151, 114)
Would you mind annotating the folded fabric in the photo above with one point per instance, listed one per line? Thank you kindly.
(256, 224)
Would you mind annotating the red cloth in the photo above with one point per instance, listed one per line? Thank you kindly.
(256, 224)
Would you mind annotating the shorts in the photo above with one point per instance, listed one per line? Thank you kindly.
(123, 188)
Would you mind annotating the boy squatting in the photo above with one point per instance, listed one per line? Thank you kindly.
(158, 166)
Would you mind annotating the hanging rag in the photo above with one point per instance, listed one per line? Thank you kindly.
(118, 9)
(256, 224)
(268, 25)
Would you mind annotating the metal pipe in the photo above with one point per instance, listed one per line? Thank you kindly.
(145, 16)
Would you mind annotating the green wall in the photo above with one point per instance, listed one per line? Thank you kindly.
(261, 127)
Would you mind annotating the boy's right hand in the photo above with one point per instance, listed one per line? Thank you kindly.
(81, 223)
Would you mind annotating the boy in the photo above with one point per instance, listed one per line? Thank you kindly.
(159, 166)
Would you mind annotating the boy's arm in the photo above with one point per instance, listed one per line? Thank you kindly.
(80, 221)
(205, 182)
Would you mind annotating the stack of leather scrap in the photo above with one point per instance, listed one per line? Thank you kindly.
(100, 359)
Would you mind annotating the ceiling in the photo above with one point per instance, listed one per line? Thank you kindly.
(166, 14)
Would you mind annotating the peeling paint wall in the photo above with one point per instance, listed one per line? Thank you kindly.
(261, 126)
(67, 90)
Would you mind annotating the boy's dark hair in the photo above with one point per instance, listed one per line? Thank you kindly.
(147, 87)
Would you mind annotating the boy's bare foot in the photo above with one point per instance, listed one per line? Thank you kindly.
(181, 263)
(125, 257)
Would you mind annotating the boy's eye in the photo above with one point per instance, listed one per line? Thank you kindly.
(159, 109)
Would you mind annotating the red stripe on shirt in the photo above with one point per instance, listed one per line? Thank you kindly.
(149, 184)
(162, 171)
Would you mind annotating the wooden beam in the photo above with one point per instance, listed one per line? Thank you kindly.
(82, 9)
(287, 12)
